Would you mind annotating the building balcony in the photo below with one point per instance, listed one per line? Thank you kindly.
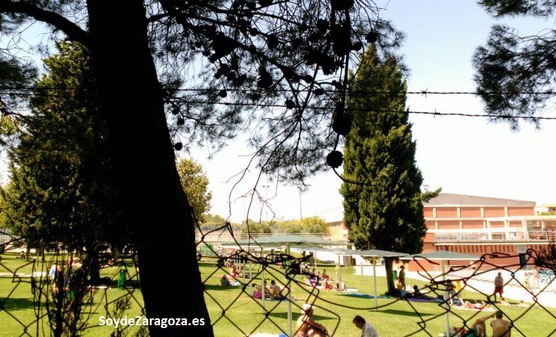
(492, 235)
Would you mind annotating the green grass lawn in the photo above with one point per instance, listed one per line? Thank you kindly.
(393, 317)
(19, 310)
(234, 313)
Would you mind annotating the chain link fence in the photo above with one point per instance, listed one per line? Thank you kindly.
(48, 295)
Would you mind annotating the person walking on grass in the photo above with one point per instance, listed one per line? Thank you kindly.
(499, 286)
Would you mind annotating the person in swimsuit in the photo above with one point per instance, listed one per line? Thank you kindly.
(306, 326)
(499, 287)
(501, 327)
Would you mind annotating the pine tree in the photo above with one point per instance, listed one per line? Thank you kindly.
(61, 190)
(382, 200)
(515, 73)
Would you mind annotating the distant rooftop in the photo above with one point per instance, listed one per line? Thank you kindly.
(471, 200)
(547, 205)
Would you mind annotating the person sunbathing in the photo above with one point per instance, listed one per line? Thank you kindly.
(275, 291)
(521, 304)
(477, 329)
(224, 282)
(234, 272)
(419, 295)
(475, 306)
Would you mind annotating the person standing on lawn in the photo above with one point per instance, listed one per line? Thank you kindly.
(401, 277)
(499, 286)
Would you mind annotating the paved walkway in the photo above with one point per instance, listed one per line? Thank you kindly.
(543, 293)
(483, 283)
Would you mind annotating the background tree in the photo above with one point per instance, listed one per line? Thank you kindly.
(308, 225)
(60, 172)
(257, 228)
(382, 200)
(61, 187)
(290, 227)
(259, 54)
(212, 221)
(195, 184)
(546, 256)
(314, 225)
(515, 74)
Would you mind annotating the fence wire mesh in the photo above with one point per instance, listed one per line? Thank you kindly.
(47, 295)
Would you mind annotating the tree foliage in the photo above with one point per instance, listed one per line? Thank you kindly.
(212, 221)
(271, 51)
(308, 225)
(61, 178)
(382, 193)
(314, 225)
(519, 7)
(427, 195)
(195, 184)
(14, 75)
(260, 54)
(546, 256)
(515, 74)
(256, 228)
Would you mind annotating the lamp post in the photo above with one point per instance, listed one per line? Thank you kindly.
(300, 207)
(244, 215)
(265, 201)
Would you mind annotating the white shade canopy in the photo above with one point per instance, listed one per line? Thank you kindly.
(441, 255)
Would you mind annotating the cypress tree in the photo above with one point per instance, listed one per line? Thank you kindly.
(382, 200)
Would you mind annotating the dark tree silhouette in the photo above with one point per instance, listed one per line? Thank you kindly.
(516, 74)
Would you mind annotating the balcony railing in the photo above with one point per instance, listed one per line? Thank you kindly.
(483, 235)
(542, 235)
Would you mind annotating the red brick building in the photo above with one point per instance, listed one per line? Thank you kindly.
(482, 225)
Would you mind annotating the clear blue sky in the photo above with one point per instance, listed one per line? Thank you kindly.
(461, 155)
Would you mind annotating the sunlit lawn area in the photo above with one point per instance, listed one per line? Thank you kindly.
(393, 317)
(19, 311)
(234, 313)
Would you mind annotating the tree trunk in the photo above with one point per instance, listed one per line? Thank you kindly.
(388, 261)
(92, 264)
(157, 209)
